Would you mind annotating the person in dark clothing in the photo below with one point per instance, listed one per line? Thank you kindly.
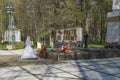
(86, 39)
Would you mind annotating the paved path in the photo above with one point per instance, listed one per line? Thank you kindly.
(11, 52)
(96, 69)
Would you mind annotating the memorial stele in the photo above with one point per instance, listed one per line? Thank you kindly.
(113, 23)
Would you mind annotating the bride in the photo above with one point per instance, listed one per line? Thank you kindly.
(28, 52)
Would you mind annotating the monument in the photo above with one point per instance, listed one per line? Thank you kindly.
(11, 34)
(116, 5)
(113, 25)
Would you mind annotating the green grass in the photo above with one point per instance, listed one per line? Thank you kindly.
(96, 45)
(19, 45)
(2, 46)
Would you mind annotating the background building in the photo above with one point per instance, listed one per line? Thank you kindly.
(11, 34)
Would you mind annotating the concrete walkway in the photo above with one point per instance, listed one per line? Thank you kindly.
(11, 52)
(96, 69)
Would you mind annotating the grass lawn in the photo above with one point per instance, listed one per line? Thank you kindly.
(95, 45)
(17, 45)
(21, 45)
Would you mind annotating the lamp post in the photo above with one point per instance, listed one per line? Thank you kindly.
(10, 11)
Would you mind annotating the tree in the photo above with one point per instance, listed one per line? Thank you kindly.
(3, 18)
(41, 17)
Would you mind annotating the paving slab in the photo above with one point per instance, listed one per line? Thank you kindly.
(102, 78)
(41, 69)
(89, 74)
(92, 69)
(12, 71)
(80, 63)
(15, 73)
(25, 77)
(107, 62)
(103, 61)
(11, 52)
(93, 61)
(90, 65)
(97, 67)
(118, 75)
(115, 65)
(58, 76)
(110, 71)
(71, 68)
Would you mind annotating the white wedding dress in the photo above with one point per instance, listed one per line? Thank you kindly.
(28, 52)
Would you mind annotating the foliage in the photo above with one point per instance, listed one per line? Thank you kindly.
(2, 46)
(39, 18)
(19, 45)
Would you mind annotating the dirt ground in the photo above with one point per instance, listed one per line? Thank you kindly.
(15, 60)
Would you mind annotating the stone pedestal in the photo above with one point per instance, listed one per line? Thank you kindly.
(10, 47)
